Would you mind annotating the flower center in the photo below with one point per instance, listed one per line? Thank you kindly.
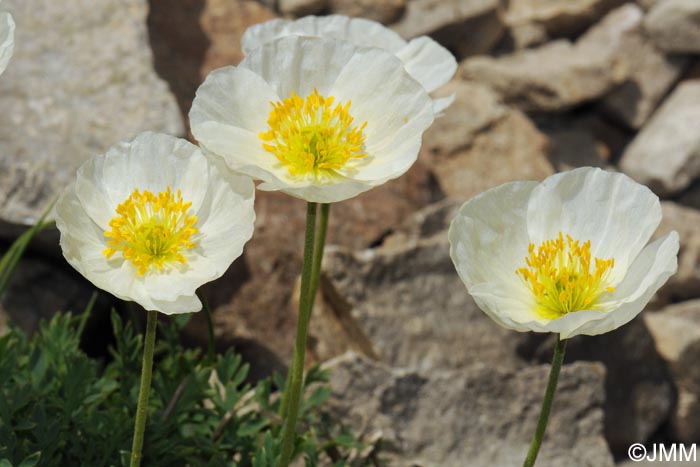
(560, 274)
(151, 230)
(311, 136)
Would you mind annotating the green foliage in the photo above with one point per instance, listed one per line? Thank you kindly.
(59, 407)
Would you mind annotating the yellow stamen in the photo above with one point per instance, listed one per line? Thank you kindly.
(562, 277)
(311, 136)
(152, 230)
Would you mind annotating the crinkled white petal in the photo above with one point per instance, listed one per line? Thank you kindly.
(7, 39)
(428, 62)
(151, 162)
(441, 103)
(359, 31)
(396, 116)
(425, 60)
(615, 213)
(299, 64)
(224, 210)
(488, 241)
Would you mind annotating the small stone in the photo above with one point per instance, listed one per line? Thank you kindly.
(301, 7)
(676, 333)
(467, 27)
(651, 73)
(385, 11)
(674, 25)
(558, 17)
(484, 413)
(475, 108)
(665, 155)
(551, 78)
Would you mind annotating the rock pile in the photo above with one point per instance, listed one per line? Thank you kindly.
(543, 86)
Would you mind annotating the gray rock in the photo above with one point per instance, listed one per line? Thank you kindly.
(301, 7)
(414, 309)
(551, 78)
(527, 35)
(558, 17)
(467, 27)
(674, 25)
(510, 149)
(480, 416)
(676, 333)
(476, 107)
(81, 80)
(665, 155)
(651, 73)
(685, 284)
(639, 393)
(385, 12)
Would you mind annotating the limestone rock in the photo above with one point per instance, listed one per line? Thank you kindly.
(81, 80)
(385, 12)
(676, 332)
(476, 107)
(651, 73)
(189, 39)
(558, 17)
(551, 78)
(674, 25)
(301, 7)
(510, 149)
(685, 283)
(467, 27)
(414, 309)
(481, 416)
(665, 155)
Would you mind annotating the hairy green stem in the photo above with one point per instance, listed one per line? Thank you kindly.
(557, 360)
(292, 392)
(145, 389)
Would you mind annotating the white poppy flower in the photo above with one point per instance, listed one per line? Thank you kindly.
(319, 119)
(426, 61)
(566, 255)
(7, 39)
(153, 219)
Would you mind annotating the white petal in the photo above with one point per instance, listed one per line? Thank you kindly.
(154, 162)
(428, 62)
(488, 242)
(243, 152)
(649, 271)
(7, 39)
(359, 31)
(396, 115)
(441, 103)
(184, 304)
(615, 213)
(299, 64)
(232, 96)
(322, 193)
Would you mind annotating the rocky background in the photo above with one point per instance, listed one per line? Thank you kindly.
(543, 86)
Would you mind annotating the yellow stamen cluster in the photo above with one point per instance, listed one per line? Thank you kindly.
(561, 276)
(311, 136)
(152, 230)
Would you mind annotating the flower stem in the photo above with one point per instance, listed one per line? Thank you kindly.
(557, 360)
(145, 389)
(292, 392)
(315, 276)
(211, 348)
